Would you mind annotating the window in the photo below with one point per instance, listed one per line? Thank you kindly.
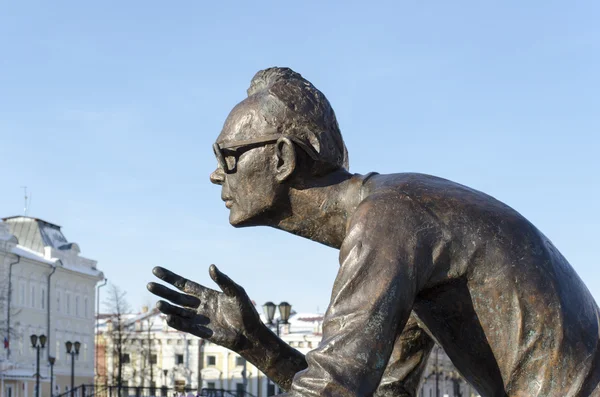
(32, 301)
(58, 301)
(211, 360)
(125, 358)
(211, 385)
(43, 298)
(77, 306)
(22, 294)
(239, 361)
(68, 303)
(179, 359)
(153, 359)
(239, 388)
(271, 389)
(85, 307)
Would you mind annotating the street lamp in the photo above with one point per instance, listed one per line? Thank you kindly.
(51, 361)
(284, 313)
(37, 346)
(285, 310)
(73, 352)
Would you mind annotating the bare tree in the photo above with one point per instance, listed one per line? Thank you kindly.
(120, 328)
(9, 323)
(147, 354)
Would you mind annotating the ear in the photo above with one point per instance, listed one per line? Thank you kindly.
(286, 159)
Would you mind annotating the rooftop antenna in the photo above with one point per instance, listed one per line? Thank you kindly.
(27, 200)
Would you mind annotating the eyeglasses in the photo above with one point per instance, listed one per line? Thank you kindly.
(227, 154)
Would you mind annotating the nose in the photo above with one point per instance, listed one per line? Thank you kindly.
(218, 176)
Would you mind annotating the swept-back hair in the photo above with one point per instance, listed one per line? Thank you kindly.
(303, 112)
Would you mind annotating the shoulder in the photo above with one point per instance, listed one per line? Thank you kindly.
(397, 206)
(393, 198)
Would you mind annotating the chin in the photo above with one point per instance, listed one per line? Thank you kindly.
(237, 219)
(241, 220)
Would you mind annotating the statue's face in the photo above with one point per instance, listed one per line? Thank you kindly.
(248, 184)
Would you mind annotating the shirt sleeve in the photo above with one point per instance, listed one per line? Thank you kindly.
(371, 301)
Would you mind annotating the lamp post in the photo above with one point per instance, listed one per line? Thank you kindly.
(73, 350)
(51, 361)
(37, 346)
(284, 314)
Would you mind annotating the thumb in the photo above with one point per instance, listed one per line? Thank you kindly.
(223, 281)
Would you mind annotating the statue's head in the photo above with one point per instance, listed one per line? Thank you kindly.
(284, 134)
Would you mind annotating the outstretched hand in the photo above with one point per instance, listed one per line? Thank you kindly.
(226, 318)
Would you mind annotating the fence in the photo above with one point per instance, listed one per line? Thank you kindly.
(135, 391)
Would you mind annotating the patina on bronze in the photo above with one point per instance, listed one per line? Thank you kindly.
(422, 259)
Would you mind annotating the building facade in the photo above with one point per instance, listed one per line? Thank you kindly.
(153, 355)
(48, 289)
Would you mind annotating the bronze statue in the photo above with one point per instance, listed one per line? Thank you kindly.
(422, 259)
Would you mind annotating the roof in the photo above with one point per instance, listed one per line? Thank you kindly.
(30, 217)
(35, 233)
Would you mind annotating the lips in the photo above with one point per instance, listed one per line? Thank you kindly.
(228, 201)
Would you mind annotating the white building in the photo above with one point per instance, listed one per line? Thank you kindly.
(441, 378)
(52, 293)
(154, 355)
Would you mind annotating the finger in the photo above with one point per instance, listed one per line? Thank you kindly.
(173, 296)
(185, 325)
(223, 281)
(167, 308)
(181, 283)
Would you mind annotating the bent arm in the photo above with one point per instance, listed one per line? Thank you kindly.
(402, 376)
(371, 302)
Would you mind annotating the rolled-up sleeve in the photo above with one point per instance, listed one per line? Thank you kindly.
(371, 301)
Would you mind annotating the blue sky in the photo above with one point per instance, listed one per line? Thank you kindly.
(108, 111)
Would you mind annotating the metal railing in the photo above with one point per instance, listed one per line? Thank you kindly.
(139, 391)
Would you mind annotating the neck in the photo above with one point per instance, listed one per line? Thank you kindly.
(321, 210)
